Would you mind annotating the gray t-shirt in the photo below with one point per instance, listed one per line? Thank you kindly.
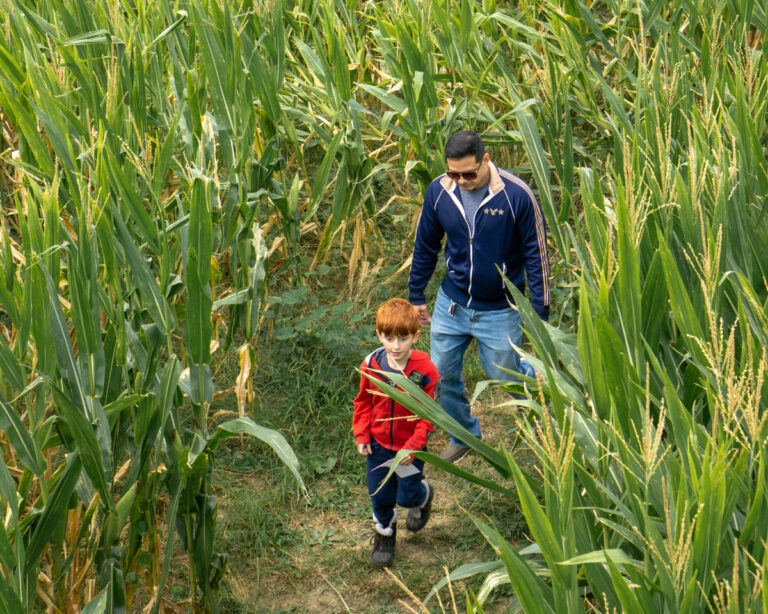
(471, 200)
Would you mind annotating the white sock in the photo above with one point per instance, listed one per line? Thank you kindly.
(387, 531)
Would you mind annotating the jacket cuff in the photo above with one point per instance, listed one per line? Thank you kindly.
(413, 445)
(417, 298)
(541, 310)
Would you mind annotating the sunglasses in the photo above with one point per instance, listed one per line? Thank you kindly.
(468, 175)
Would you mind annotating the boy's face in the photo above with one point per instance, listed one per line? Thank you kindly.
(398, 347)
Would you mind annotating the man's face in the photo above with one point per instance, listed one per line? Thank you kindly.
(472, 174)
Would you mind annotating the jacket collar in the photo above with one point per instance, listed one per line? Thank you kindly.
(494, 185)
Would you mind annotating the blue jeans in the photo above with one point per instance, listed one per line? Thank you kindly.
(453, 328)
(405, 492)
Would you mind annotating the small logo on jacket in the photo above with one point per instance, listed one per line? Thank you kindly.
(494, 211)
(416, 377)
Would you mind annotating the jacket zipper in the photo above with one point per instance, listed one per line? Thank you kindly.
(471, 233)
(460, 207)
(391, 424)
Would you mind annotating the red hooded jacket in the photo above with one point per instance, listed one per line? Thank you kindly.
(374, 413)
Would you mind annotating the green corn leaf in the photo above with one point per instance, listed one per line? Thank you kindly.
(615, 555)
(450, 467)
(199, 302)
(392, 101)
(68, 364)
(629, 286)
(9, 600)
(7, 555)
(320, 184)
(129, 198)
(203, 542)
(11, 69)
(273, 439)
(540, 168)
(10, 367)
(8, 490)
(20, 439)
(539, 524)
(168, 382)
(757, 514)
(261, 77)
(145, 281)
(629, 603)
(97, 605)
(215, 65)
(92, 446)
(467, 570)
(533, 594)
(594, 27)
(169, 30)
(54, 514)
(81, 311)
(197, 384)
(412, 397)
(686, 317)
(176, 492)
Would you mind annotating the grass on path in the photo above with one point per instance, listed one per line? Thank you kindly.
(290, 555)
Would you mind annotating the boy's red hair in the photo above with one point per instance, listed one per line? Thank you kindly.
(397, 317)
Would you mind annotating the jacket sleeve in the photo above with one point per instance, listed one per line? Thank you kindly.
(426, 247)
(533, 241)
(423, 427)
(363, 413)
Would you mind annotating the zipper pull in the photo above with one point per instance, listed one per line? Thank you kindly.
(452, 308)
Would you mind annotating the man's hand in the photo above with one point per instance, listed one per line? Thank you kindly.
(364, 448)
(424, 317)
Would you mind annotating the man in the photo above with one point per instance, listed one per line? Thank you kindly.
(493, 225)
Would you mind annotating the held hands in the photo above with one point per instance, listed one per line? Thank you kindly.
(424, 317)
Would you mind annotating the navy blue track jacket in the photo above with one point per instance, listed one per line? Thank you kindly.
(510, 232)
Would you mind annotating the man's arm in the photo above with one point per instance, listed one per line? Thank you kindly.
(426, 247)
(533, 235)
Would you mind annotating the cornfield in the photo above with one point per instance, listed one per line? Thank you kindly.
(159, 160)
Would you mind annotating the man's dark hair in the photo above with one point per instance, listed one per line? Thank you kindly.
(464, 143)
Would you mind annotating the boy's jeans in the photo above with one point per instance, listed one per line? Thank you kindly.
(405, 492)
(453, 328)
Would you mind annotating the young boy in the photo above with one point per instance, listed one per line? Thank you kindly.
(382, 427)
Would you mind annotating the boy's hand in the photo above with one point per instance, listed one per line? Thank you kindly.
(424, 317)
(364, 448)
(407, 460)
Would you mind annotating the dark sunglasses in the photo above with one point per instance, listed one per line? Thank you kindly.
(468, 175)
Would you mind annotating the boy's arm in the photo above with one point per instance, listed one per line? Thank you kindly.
(363, 413)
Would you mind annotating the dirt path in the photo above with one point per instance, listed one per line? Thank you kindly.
(326, 567)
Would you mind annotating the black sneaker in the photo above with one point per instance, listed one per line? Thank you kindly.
(384, 548)
(419, 516)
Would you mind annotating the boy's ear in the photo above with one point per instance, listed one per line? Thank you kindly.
(416, 335)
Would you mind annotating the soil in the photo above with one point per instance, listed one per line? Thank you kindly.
(326, 567)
